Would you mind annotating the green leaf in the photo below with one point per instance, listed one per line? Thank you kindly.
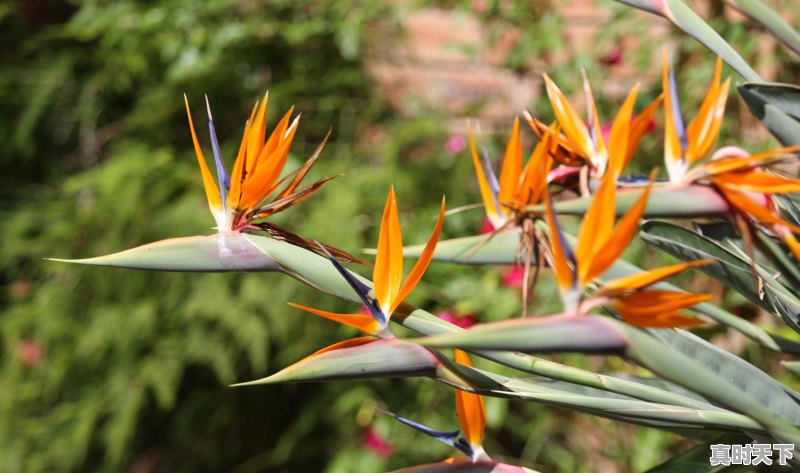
(696, 200)
(770, 20)
(549, 334)
(780, 399)
(557, 334)
(646, 5)
(777, 106)
(729, 268)
(428, 324)
(380, 358)
(307, 267)
(687, 421)
(491, 248)
(220, 252)
(686, 19)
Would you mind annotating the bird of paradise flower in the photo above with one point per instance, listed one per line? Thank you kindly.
(583, 145)
(254, 189)
(738, 176)
(388, 289)
(471, 414)
(599, 244)
(516, 188)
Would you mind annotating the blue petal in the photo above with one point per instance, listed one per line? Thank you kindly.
(222, 173)
(450, 438)
(494, 185)
(361, 289)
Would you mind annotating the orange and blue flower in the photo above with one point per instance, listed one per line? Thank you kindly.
(388, 288)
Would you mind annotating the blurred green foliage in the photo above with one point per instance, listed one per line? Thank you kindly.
(112, 370)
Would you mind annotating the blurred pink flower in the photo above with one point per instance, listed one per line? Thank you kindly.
(463, 321)
(373, 441)
(455, 144)
(612, 58)
(513, 276)
(30, 352)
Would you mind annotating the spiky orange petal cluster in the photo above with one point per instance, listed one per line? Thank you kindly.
(256, 172)
(388, 286)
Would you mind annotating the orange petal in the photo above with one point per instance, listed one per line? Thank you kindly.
(365, 323)
(301, 173)
(388, 270)
(638, 281)
(212, 192)
(756, 181)
(596, 228)
(470, 409)
(569, 119)
(737, 163)
(562, 151)
(261, 183)
(237, 173)
(512, 165)
(599, 155)
(613, 246)
(278, 134)
(673, 150)
(702, 132)
(663, 320)
(639, 126)
(618, 140)
(534, 176)
(255, 135)
(422, 263)
(656, 308)
(564, 274)
(483, 183)
(792, 243)
(760, 213)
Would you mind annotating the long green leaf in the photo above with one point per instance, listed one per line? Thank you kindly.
(696, 200)
(729, 268)
(565, 333)
(220, 252)
(497, 248)
(686, 19)
(777, 106)
(685, 420)
(770, 20)
(381, 358)
(780, 399)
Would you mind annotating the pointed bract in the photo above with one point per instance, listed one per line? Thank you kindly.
(470, 409)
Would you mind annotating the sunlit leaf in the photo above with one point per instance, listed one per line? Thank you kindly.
(221, 252)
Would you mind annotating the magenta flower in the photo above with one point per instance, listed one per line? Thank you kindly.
(463, 321)
(455, 144)
(374, 442)
(30, 352)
